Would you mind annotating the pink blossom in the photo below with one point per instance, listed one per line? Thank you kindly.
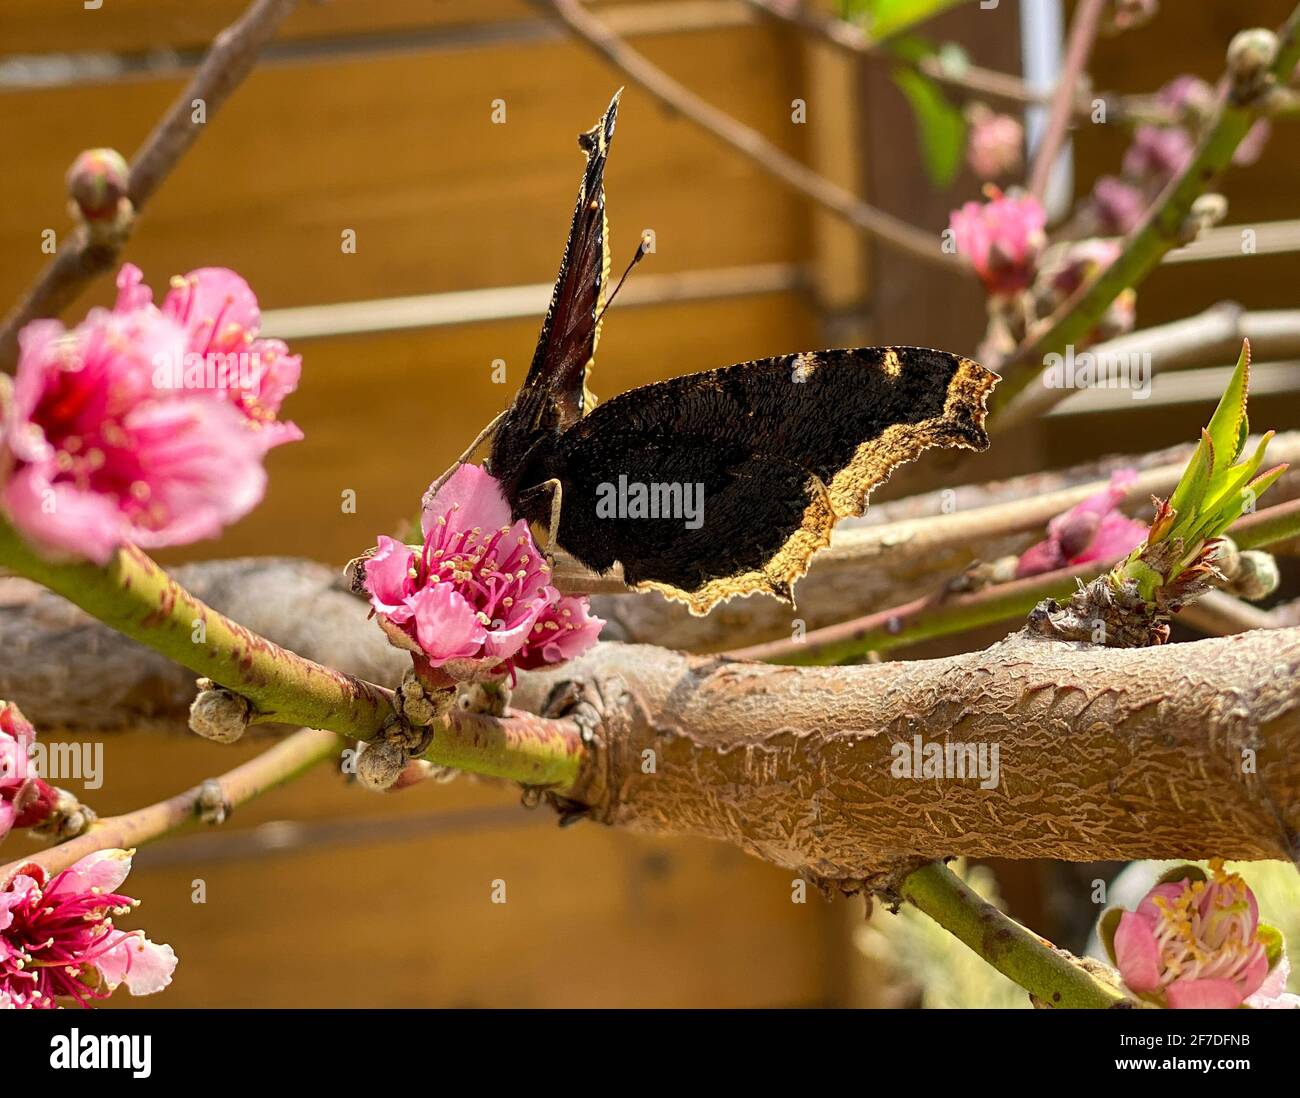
(1117, 206)
(95, 451)
(25, 800)
(1187, 95)
(1197, 943)
(220, 316)
(1001, 237)
(994, 143)
(1094, 529)
(475, 602)
(58, 942)
(1157, 154)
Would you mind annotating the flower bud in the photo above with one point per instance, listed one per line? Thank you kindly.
(1250, 54)
(381, 764)
(1226, 558)
(219, 714)
(1257, 575)
(97, 183)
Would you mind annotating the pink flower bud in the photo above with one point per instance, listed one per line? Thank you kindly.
(1094, 529)
(1002, 238)
(97, 183)
(994, 144)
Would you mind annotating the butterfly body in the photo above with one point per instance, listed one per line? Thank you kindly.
(721, 483)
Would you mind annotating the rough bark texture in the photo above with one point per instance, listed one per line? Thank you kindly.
(1104, 753)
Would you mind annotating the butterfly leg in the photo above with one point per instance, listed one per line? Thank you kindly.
(553, 527)
(482, 437)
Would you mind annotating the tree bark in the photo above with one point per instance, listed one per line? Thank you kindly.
(1103, 753)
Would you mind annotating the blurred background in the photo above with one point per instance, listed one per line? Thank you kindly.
(378, 118)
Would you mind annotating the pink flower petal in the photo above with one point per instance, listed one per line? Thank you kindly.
(217, 309)
(145, 967)
(102, 871)
(1202, 995)
(1137, 955)
(445, 624)
(473, 497)
(388, 575)
(61, 517)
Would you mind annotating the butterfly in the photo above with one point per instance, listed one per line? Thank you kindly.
(717, 484)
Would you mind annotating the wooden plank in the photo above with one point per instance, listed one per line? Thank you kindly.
(403, 152)
(41, 26)
(403, 915)
(592, 918)
(156, 32)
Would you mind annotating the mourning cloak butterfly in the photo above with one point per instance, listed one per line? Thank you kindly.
(715, 484)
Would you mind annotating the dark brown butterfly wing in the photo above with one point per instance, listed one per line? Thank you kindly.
(554, 395)
(774, 452)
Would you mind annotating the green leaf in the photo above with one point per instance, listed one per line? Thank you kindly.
(1187, 497)
(1228, 426)
(1227, 495)
(941, 127)
(886, 17)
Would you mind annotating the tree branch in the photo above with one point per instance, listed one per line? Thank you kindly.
(139, 600)
(1083, 33)
(1049, 974)
(750, 143)
(231, 58)
(1165, 752)
(290, 757)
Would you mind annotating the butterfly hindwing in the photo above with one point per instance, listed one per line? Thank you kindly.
(748, 468)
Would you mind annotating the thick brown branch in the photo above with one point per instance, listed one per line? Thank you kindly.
(1181, 751)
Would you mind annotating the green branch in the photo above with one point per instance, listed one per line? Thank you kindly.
(1160, 231)
(1017, 953)
(137, 598)
(140, 600)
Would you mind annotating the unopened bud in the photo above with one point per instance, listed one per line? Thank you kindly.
(381, 764)
(219, 714)
(1257, 575)
(1227, 558)
(1250, 55)
(97, 183)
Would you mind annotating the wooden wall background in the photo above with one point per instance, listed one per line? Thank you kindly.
(376, 117)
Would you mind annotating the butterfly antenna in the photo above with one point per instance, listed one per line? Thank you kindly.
(641, 251)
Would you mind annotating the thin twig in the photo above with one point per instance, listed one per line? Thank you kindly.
(292, 756)
(1050, 975)
(942, 613)
(232, 56)
(1083, 33)
(677, 97)
(935, 615)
